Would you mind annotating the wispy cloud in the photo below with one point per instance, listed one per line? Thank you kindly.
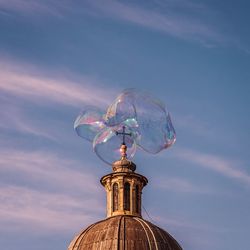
(39, 86)
(184, 223)
(183, 19)
(33, 7)
(190, 230)
(214, 163)
(47, 186)
(46, 167)
(22, 208)
(177, 25)
(194, 125)
(13, 118)
(42, 182)
(182, 185)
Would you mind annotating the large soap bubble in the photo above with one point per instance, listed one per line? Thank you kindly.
(151, 120)
(144, 118)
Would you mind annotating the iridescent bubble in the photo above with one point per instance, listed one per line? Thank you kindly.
(141, 115)
(155, 125)
(107, 144)
(121, 109)
(89, 123)
(151, 121)
(171, 135)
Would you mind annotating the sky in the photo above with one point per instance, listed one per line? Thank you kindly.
(58, 56)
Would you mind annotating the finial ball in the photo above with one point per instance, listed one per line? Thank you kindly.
(123, 151)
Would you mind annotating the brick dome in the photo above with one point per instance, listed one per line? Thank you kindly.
(124, 232)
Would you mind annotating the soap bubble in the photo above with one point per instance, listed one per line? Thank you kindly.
(121, 109)
(89, 123)
(151, 120)
(143, 116)
(107, 144)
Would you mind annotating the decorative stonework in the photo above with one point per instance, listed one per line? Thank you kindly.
(126, 199)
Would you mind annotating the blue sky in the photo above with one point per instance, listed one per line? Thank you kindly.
(58, 56)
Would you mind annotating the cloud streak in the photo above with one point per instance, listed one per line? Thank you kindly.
(62, 201)
(180, 19)
(30, 7)
(214, 163)
(22, 208)
(182, 185)
(194, 125)
(181, 26)
(46, 184)
(14, 119)
(34, 85)
(46, 167)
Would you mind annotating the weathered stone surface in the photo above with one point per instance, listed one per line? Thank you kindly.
(124, 232)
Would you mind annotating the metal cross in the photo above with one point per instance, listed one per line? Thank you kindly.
(123, 133)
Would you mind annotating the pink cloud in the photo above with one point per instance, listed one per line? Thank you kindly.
(13, 118)
(22, 208)
(65, 208)
(38, 86)
(48, 168)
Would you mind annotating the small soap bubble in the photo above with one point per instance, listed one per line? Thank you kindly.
(89, 123)
(107, 144)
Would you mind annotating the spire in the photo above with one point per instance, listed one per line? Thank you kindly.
(124, 186)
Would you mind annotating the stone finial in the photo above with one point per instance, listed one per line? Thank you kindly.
(123, 151)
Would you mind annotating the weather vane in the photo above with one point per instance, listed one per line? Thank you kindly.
(135, 119)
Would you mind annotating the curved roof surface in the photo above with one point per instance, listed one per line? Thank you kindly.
(124, 233)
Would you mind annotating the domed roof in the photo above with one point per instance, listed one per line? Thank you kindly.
(124, 232)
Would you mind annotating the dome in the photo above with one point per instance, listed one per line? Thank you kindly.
(124, 228)
(124, 232)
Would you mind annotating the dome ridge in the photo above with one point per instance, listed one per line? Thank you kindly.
(143, 222)
(124, 232)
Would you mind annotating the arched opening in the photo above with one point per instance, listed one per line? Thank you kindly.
(115, 197)
(127, 196)
(137, 198)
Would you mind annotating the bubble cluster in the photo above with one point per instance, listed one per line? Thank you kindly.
(144, 118)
